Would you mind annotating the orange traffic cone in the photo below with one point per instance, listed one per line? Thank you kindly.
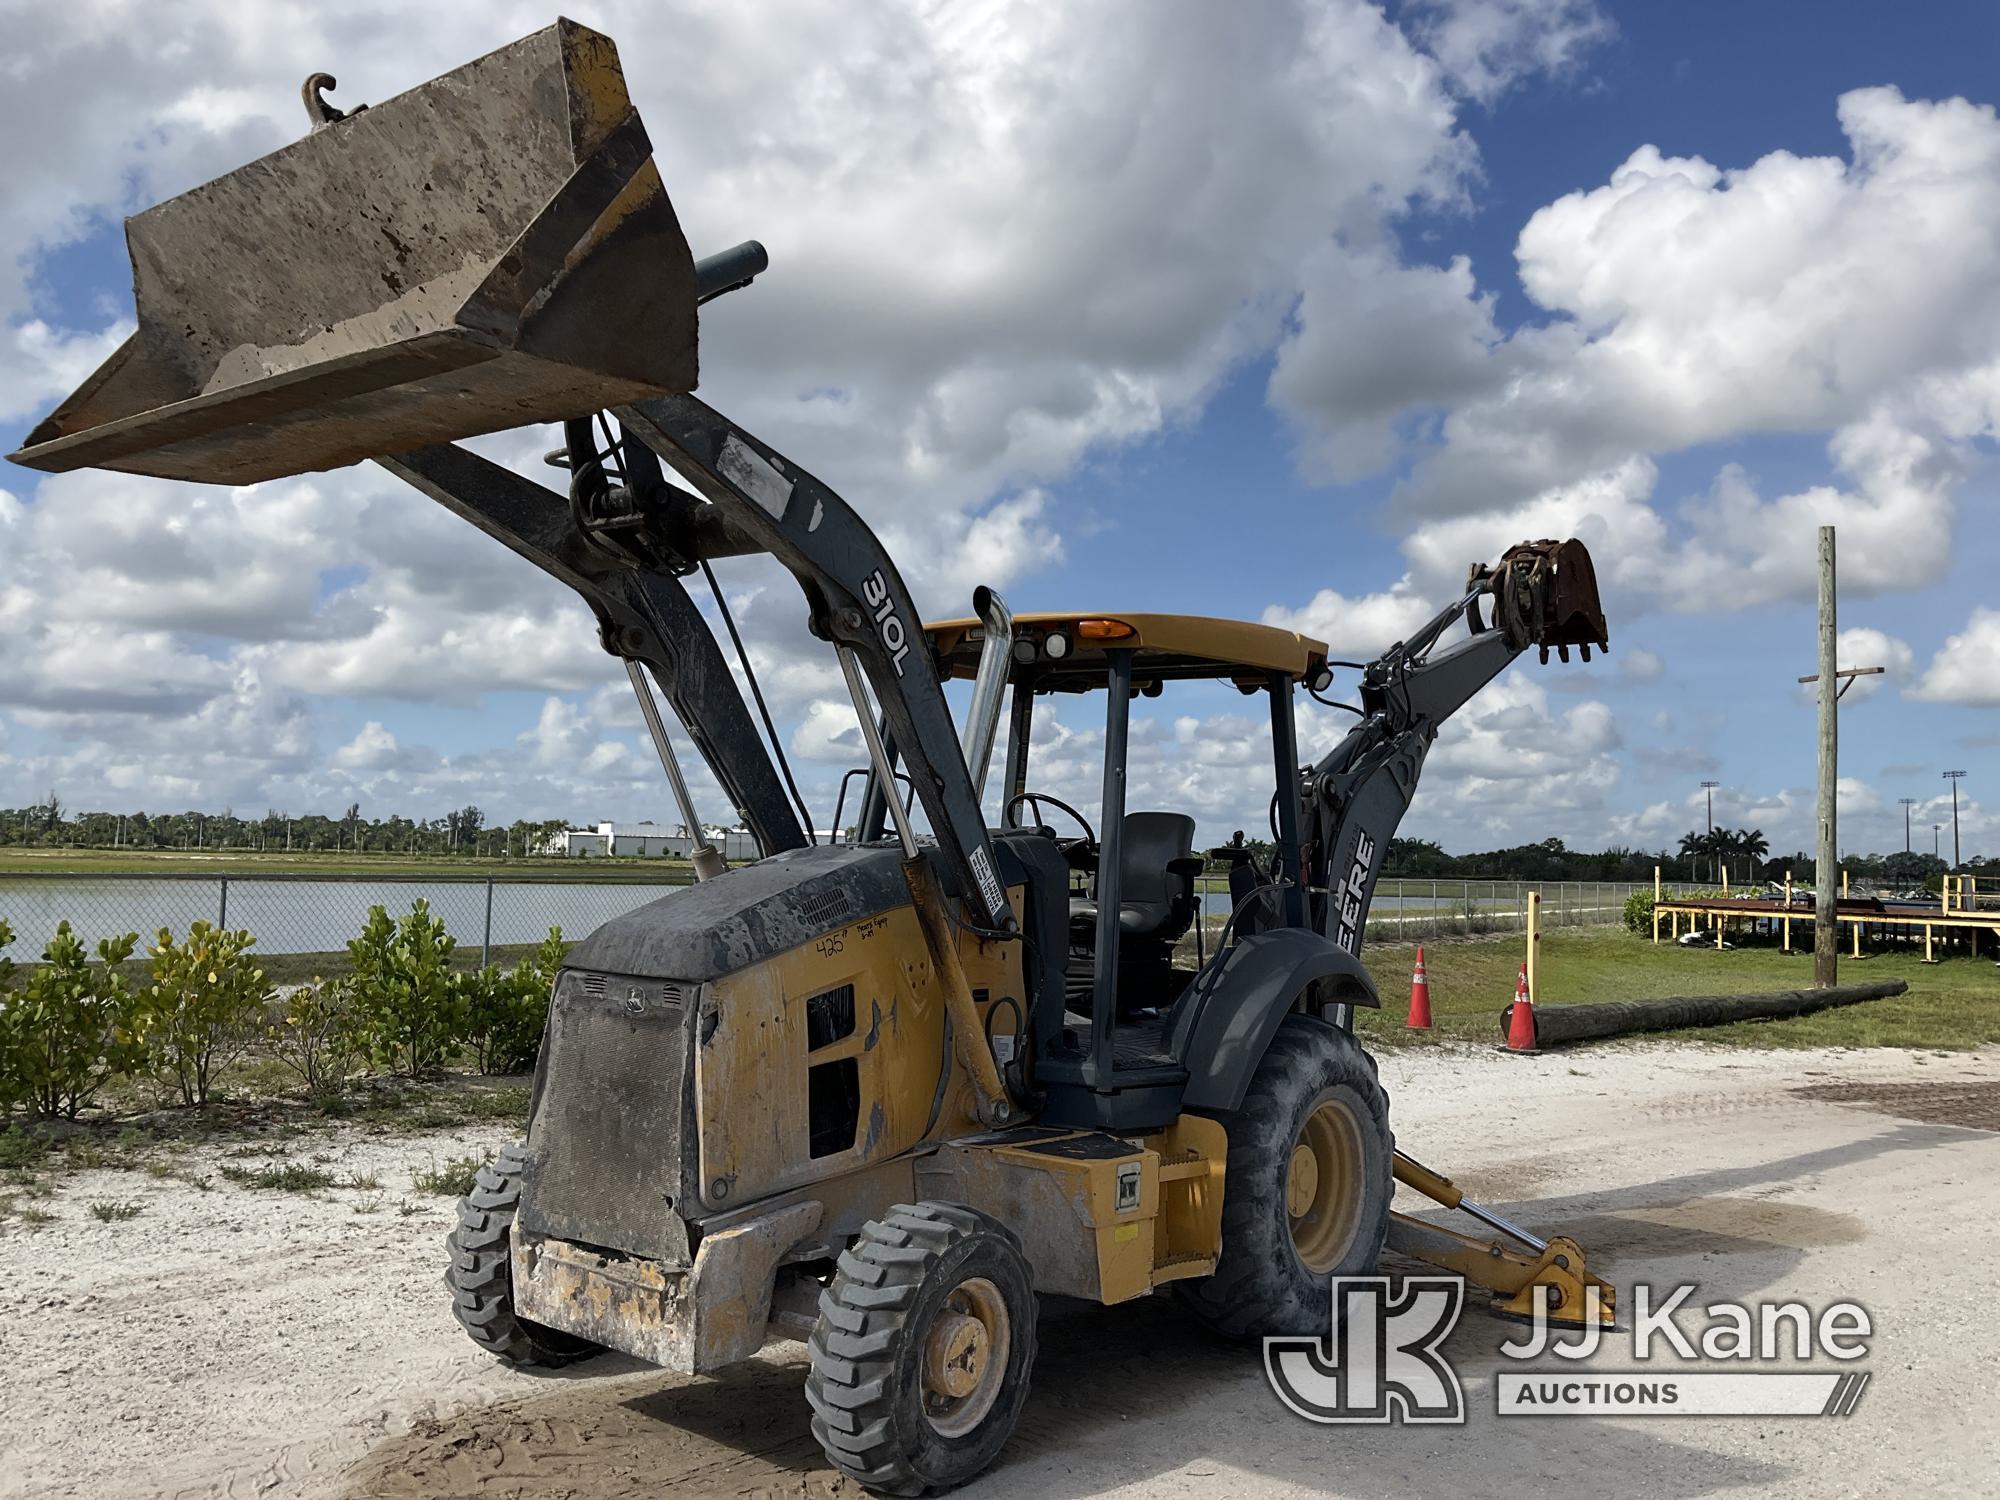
(1420, 997)
(1521, 1017)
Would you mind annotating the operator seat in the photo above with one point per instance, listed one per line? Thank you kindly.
(1156, 870)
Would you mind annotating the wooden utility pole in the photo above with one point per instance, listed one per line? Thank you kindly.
(1826, 926)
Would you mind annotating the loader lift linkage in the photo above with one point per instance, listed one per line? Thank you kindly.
(883, 1092)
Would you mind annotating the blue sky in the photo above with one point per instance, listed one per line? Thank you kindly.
(1290, 320)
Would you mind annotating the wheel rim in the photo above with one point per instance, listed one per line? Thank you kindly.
(965, 1357)
(1323, 1184)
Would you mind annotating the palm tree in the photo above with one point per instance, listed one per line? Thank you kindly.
(1691, 845)
(1751, 842)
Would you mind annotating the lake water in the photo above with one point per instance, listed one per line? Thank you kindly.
(320, 916)
(308, 916)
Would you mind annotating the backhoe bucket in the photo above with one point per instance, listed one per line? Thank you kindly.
(490, 249)
(1545, 594)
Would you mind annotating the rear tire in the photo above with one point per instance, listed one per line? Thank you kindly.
(925, 1343)
(1306, 1196)
(480, 1272)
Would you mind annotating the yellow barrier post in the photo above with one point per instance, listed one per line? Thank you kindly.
(1788, 911)
(1534, 947)
(1656, 904)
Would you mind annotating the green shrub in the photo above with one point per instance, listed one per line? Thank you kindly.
(202, 1007)
(1639, 913)
(315, 1032)
(412, 1011)
(74, 1026)
(506, 1009)
(10, 1085)
(281, 1177)
(453, 1178)
(111, 1211)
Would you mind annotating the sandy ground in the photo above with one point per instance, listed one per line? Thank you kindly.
(245, 1343)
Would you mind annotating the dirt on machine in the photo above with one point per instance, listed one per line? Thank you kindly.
(880, 1094)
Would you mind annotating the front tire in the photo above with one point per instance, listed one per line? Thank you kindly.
(1307, 1193)
(925, 1343)
(480, 1272)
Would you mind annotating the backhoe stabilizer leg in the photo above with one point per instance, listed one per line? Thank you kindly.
(1574, 1297)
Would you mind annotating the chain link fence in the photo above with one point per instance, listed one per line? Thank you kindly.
(1408, 910)
(1413, 910)
(307, 915)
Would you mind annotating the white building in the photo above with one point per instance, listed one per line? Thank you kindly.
(648, 840)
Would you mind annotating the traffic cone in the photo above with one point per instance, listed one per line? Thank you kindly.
(1521, 1017)
(1420, 997)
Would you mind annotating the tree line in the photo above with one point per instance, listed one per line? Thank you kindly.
(1701, 856)
(463, 831)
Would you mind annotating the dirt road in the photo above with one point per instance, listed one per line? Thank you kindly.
(233, 1342)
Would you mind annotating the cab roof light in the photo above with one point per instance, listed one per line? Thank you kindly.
(1104, 630)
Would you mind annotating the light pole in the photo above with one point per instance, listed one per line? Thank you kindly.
(1908, 803)
(1954, 777)
(1708, 789)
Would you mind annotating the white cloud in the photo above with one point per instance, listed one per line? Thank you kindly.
(1865, 646)
(829, 732)
(1376, 342)
(982, 271)
(371, 748)
(44, 364)
(1007, 239)
(1966, 668)
(1359, 627)
(1490, 46)
(1697, 303)
(1636, 664)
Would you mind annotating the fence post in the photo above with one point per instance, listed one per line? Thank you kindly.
(486, 941)
(222, 904)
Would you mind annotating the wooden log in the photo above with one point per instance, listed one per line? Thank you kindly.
(1557, 1024)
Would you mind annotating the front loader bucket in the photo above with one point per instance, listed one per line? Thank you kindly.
(490, 249)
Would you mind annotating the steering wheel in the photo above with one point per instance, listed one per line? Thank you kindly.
(1010, 815)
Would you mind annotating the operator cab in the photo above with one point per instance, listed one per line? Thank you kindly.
(1134, 897)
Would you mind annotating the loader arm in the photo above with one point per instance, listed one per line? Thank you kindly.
(1542, 594)
(642, 615)
(857, 601)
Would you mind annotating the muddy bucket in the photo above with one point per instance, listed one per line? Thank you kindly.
(490, 249)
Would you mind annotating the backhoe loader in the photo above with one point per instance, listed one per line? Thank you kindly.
(880, 1093)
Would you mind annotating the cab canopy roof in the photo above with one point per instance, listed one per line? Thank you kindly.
(1065, 652)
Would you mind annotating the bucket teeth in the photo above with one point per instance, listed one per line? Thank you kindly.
(490, 249)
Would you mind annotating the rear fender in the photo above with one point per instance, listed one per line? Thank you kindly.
(1235, 1009)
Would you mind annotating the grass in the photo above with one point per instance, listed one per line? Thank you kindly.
(1954, 1004)
(30, 1213)
(282, 1177)
(250, 862)
(450, 1179)
(111, 1211)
